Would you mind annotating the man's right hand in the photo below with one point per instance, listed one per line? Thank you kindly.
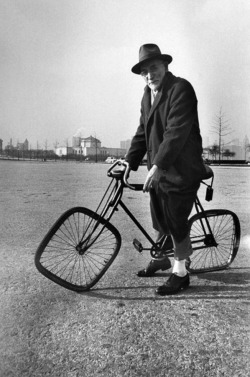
(148, 182)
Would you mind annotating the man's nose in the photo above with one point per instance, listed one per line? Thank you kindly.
(150, 75)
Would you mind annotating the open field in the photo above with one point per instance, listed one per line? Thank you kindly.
(119, 328)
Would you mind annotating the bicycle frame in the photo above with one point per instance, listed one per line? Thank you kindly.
(114, 200)
(209, 239)
(82, 244)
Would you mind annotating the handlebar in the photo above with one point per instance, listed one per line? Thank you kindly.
(123, 172)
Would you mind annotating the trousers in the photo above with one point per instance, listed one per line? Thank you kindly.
(170, 206)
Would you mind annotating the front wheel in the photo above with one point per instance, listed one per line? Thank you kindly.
(78, 249)
(217, 249)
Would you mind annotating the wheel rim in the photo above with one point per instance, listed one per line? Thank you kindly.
(78, 250)
(218, 256)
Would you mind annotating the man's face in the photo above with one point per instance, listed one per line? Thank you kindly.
(153, 73)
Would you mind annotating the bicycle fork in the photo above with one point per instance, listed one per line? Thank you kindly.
(209, 240)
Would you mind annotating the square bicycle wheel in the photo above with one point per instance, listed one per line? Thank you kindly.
(78, 249)
(217, 250)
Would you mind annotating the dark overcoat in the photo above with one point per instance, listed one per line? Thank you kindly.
(169, 133)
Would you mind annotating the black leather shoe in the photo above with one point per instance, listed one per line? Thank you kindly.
(173, 285)
(155, 265)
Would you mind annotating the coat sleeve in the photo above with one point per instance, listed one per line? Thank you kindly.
(138, 147)
(180, 119)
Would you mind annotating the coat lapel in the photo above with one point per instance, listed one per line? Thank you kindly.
(149, 110)
(147, 102)
(156, 101)
(147, 97)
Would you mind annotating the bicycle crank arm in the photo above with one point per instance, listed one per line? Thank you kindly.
(138, 246)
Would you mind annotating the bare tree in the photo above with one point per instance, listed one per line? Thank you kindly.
(55, 146)
(222, 129)
(214, 150)
(46, 149)
(246, 146)
(227, 153)
(37, 149)
(30, 151)
(67, 147)
(97, 147)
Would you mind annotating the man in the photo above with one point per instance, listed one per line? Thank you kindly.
(169, 133)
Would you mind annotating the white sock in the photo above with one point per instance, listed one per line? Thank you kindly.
(180, 268)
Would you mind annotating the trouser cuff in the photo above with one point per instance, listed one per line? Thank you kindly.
(183, 249)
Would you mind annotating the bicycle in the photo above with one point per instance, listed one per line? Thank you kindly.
(82, 244)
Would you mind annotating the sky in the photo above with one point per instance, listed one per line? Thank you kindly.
(65, 65)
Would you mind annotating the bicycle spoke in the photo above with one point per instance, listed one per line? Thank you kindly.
(226, 232)
(78, 249)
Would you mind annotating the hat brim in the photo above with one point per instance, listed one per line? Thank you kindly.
(137, 68)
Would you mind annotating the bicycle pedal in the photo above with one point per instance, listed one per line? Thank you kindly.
(138, 246)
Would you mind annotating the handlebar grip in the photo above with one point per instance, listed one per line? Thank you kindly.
(125, 174)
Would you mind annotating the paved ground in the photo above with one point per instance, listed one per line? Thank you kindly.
(120, 328)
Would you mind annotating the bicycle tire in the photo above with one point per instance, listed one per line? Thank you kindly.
(60, 258)
(225, 227)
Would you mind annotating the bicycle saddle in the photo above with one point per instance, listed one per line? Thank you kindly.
(208, 172)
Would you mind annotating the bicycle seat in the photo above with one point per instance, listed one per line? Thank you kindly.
(208, 172)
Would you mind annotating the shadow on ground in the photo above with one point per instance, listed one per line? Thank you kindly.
(230, 284)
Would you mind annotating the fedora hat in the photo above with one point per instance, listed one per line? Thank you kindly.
(147, 52)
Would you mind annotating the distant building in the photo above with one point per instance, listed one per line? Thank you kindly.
(1, 146)
(63, 151)
(76, 141)
(113, 152)
(235, 142)
(125, 144)
(19, 146)
(238, 150)
(23, 146)
(90, 146)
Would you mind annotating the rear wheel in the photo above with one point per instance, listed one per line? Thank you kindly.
(78, 249)
(216, 251)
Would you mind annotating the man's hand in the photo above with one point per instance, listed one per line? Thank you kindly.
(149, 178)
